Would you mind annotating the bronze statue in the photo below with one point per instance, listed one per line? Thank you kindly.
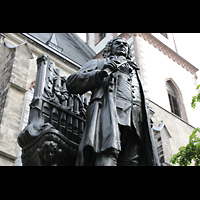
(118, 127)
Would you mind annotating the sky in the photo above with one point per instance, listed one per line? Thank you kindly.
(188, 46)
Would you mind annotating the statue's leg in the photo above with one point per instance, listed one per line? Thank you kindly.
(130, 148)
(107, 158)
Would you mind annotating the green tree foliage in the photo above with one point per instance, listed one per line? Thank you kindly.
(192, 150)
(196, 99)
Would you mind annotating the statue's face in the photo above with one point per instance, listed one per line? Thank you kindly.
(120, 48)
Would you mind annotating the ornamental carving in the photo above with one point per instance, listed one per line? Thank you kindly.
(56, 121)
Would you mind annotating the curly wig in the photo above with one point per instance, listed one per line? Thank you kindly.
(107, 51)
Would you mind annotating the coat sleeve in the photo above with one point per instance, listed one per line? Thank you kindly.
(85, 79)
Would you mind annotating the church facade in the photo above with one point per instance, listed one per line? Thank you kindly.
(169, 80)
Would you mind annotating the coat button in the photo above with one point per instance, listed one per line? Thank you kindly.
(129, 79)
(110, 90)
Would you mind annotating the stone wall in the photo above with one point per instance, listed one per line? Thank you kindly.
(14, 76)
(6, 62)
(179, 130)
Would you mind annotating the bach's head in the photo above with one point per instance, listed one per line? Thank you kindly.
(119, 47)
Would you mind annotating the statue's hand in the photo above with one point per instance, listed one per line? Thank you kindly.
(111, 65)
(109, 68)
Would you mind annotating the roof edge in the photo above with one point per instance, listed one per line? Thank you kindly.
(51, 49)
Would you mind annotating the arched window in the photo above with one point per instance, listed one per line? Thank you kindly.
(176, 99)
(173, 99)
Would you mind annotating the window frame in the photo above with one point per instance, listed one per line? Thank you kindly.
(174, 99)
(174, 108)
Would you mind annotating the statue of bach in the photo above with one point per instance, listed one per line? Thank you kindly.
(118, 127)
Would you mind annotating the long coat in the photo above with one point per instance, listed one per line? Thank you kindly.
(102, 130)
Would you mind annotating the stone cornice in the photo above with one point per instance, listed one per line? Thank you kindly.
(169, 52)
